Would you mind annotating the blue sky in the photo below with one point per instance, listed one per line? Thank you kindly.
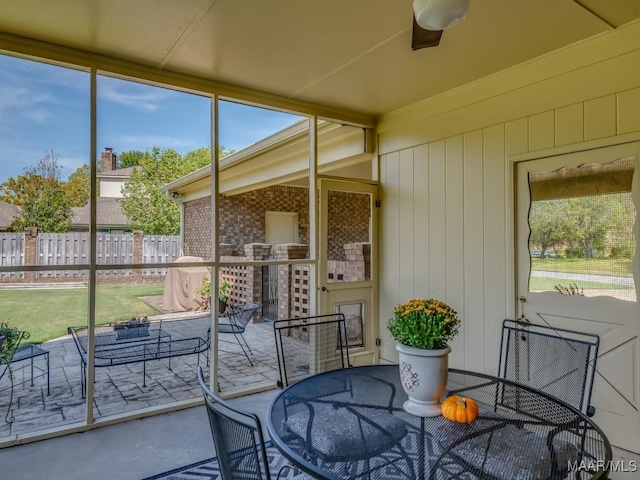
(44, 107)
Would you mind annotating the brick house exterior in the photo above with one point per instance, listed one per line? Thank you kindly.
(242, 219)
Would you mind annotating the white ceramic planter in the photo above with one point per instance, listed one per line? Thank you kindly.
(423, 374)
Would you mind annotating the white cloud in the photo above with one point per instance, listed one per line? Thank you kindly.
(133, 95)
(21, 102)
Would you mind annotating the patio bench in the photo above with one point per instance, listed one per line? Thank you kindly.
(155, 340)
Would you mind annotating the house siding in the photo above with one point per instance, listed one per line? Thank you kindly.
(242, 219)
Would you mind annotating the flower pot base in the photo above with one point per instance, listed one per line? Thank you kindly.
(422, 409)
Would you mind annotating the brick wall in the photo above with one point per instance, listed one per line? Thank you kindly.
(242, 219)
(348, 221)
(197, 229)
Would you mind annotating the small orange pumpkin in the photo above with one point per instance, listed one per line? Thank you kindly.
(460, 409)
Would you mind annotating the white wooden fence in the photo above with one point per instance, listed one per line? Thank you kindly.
(56, 249)
(160, 249)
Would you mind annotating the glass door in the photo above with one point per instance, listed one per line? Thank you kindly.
(347, 269)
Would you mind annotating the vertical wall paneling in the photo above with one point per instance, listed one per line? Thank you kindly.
(600, 118)
(454, 231)
(569, 123)
(405, 216)
(437, 217)
(449, 183)
(473, 320)
(517, 136)
(389, 242)
(421, 221)
(628, 108)
(541, 131)
(494, 242)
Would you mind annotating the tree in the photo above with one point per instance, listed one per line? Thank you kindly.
(42, 197)
(48, 210)
(147, 207)
(45, 174)
(76, 188)
(47, 167)
(130, 159)
(546, 224)
(588, 220)
(17, 190)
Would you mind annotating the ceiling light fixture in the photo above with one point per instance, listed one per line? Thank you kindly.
(439, 14)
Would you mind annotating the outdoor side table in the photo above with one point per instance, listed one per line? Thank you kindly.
(521, 433)
(31, 352)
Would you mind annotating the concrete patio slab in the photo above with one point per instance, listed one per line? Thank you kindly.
(122, 389)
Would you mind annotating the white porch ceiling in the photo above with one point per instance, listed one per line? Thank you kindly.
(349, 54)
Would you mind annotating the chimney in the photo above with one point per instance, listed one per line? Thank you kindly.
(108, 160)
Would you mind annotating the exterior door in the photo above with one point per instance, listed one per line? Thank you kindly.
(347, 248)
(281, 227)
(578, 267)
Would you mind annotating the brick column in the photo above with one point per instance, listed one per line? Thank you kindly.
(30, 251)
(287, 251)
(226, 249)
(138, 238)
(255, 251)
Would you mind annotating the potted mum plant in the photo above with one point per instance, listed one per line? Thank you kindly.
(423, 329)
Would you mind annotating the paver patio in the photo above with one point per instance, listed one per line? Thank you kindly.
(119, 389)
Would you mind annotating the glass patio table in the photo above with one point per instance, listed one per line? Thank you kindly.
(349, 424)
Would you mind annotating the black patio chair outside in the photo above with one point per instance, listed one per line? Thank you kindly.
(238, 439)
(239, 316)
(310, 345)
(7, 353)
(557, 361)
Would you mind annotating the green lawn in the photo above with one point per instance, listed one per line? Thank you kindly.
(537, 284)
(617, 267)
(46, 313)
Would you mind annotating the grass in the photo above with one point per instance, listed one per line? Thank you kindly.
(617, 267)
(46, 313)
(537, 284)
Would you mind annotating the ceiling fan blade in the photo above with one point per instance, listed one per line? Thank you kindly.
(423, 38)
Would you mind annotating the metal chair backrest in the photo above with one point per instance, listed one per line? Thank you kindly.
(240, 314)
(237, 437)
(310, 345)
(557, 361)
(8, 349)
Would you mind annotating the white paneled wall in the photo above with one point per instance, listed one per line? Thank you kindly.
(444, 234)
(447, 212)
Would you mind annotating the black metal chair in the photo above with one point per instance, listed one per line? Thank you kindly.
(239, 316)
(238, 439)
(557, 361)
(8, 348)
(310, 345)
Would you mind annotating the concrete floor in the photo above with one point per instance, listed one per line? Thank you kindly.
(145, 447)
(127, 451)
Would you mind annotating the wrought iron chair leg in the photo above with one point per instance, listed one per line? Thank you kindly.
(83, 379)
(9, 418)
(246, 344)
(242, 347)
